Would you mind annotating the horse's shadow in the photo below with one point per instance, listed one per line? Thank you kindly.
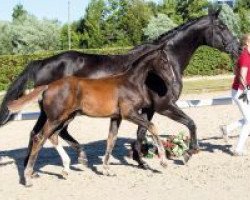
(211, 148)
(94, 150)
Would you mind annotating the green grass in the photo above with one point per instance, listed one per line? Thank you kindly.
(205, 85)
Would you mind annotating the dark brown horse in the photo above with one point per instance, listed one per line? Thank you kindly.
(164, 81)
(118, 97)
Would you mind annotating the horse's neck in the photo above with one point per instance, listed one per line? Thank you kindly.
(183, 48)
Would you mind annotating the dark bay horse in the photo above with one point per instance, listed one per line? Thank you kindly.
(118, 97)
(164, 81)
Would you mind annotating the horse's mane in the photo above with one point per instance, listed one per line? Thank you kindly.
(167, 35)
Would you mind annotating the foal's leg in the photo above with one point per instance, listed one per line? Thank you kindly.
(37, 128)
(137, 119)
(176, 114)
(64, 134)
(37, 142)
(112, 137)
(54, 140)
(147, 114)
(64, 156)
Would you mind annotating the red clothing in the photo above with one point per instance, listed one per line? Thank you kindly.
(243, 61)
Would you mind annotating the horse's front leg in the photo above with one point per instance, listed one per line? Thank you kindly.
(176, 114)
(147, 114)
(139, 120)
(112, 137)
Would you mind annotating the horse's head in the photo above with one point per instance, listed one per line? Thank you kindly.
(218, 35)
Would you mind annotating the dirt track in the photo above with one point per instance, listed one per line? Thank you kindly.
(211, 174)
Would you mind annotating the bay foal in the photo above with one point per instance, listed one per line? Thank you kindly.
(118, 97)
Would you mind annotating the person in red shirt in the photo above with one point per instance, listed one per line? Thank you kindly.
(241, 96)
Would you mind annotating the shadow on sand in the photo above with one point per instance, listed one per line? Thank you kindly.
(49, 156)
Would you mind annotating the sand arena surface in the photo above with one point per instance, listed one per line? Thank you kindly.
(211, 174)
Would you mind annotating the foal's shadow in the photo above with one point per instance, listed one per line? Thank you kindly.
(49, 156)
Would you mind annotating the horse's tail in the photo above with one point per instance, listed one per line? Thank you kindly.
(19, 104)
(17, 88)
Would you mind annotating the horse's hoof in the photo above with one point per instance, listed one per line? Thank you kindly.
(164, 164)
(83, 161)
(194, 151)
(65, 174)
(28, 183)
(144, 166)
(186, 157)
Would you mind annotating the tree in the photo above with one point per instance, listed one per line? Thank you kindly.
(93, 33)
(19, 13)
(26, 34)
(136, 19)
(230, 19)
(33, 35)
(77, 37)
(243, 10)
(190, 9)
(169, 7)
(158, 25)
(5, 38)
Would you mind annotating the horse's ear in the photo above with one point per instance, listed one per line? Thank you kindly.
(217, 12)
(214, 13)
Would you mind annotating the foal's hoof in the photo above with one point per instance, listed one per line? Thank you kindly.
(164, 164)
(35, 175)
(65, 174)
(108, 172)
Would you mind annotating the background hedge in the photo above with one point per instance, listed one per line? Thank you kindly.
(206, 61)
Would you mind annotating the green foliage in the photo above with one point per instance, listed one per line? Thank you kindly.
(244, 16)
(230, 19)
(169, 7)
(208, 61)
(26, 34)
(5, 38)
(243, 10)
(158, 25)
(93, 33)
(191, 9)
(19, 13)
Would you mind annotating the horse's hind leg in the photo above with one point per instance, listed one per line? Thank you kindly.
(141, 137)
(64, 134)
(112, 137)
(139, 120)
(176, 114)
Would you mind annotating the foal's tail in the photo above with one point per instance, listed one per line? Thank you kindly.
(19, 104)
(17, 88)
